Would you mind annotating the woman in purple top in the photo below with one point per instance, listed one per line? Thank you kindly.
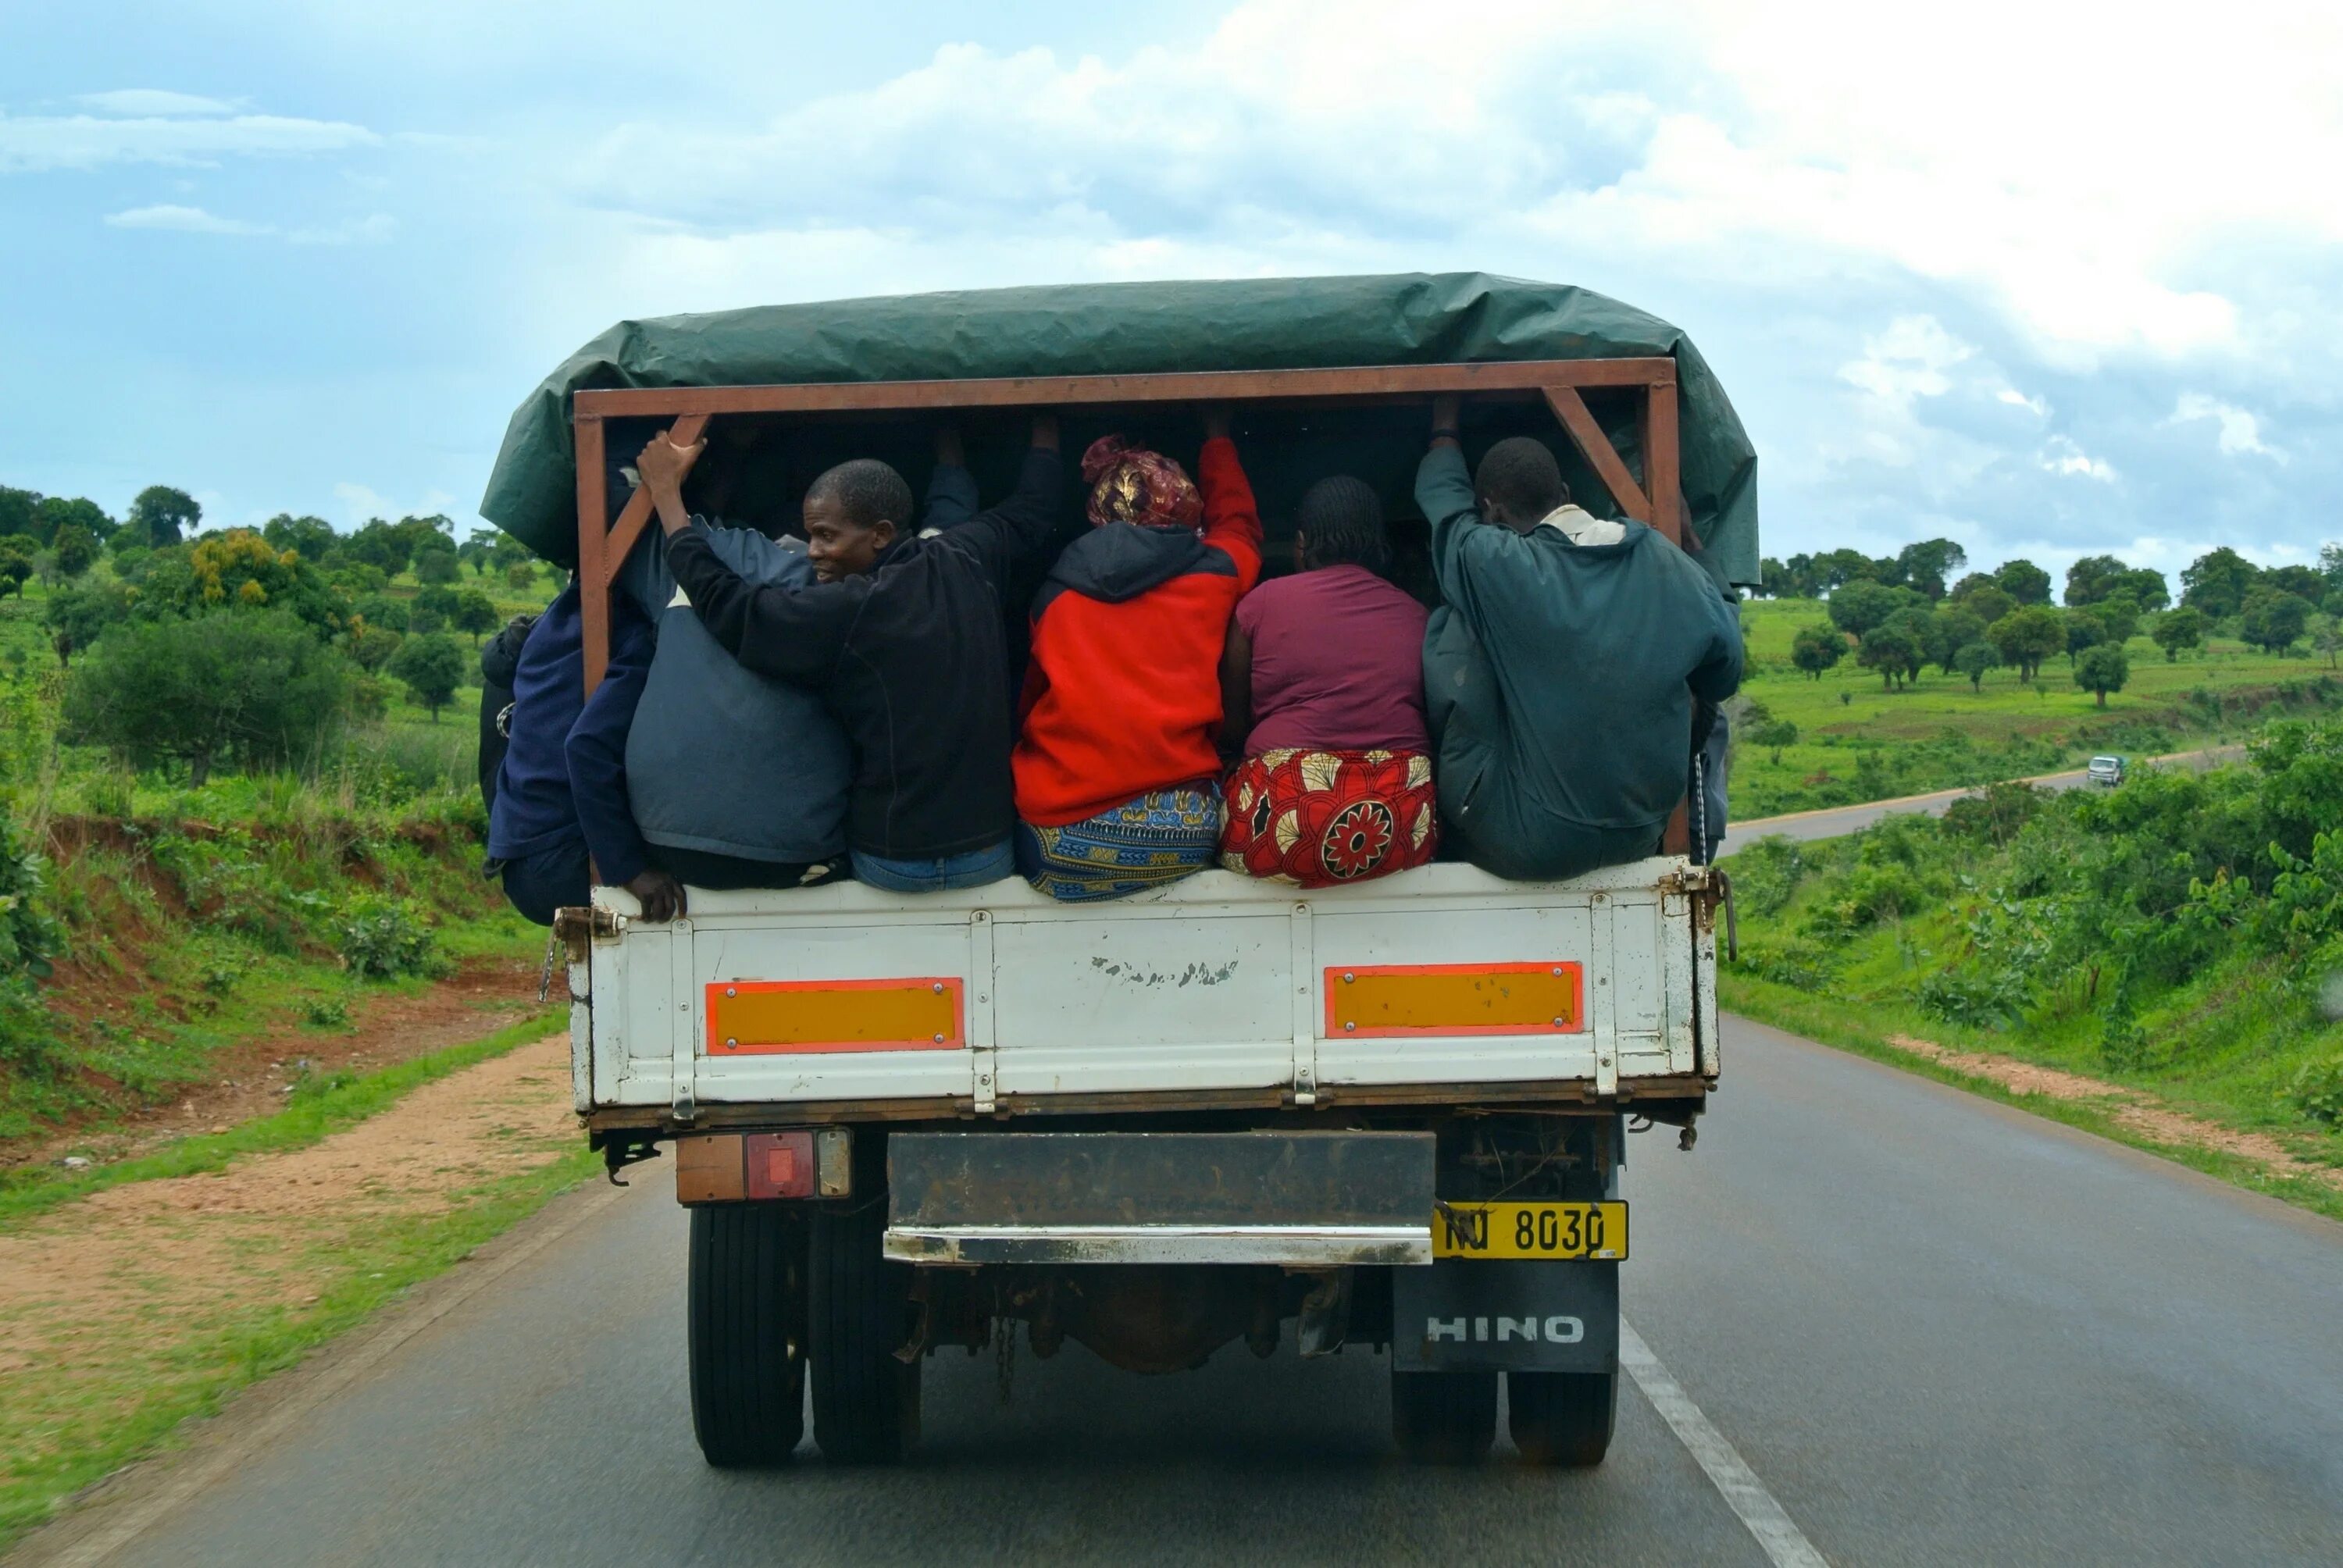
(1321, 685)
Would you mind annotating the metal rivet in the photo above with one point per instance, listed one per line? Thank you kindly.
(938, 987)
(1557, 1023)
(1557, 972)
(1349, 1027)
(1348, 976)
(939, 1039)
(732, 1045)
(729, 991)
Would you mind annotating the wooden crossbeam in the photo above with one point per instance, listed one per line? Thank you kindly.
(1600, 454)
(637, 516)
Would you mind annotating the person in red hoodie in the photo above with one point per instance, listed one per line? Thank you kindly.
(1117, 766)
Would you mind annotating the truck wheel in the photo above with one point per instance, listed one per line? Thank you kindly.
(1561, 1418)
(747, 1284)
(1444, 1417)
(866, 1403)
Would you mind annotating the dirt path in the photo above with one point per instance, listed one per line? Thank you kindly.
(253, 1075)
(2131, 1110)
(118, 1308)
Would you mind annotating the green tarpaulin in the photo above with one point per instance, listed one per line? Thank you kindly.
(1258, 324)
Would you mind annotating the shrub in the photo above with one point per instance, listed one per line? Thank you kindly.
(432, 666)
(255, 690)
(2316, 1090)
(385, 939)
(325, 1013)
(1993, 998)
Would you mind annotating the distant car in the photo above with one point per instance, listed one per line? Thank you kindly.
(2107, 771)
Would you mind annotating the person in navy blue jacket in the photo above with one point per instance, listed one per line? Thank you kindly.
(561, 809)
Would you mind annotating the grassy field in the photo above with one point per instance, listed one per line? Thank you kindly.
(1859, 742)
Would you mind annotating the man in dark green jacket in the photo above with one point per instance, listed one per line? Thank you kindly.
(1561, 672)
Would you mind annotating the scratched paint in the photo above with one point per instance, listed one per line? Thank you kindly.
(1194, 974)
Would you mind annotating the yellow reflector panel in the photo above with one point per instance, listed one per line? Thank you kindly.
(750, 1017)
(1455, 999)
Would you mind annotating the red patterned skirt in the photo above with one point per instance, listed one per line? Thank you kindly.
(1321, 818)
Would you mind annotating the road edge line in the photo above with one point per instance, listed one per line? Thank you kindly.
(1784, 1543)
(107, 1538)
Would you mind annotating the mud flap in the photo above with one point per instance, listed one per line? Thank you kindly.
(1512, 1314)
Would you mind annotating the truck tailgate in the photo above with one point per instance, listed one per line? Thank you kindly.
(1000, 999)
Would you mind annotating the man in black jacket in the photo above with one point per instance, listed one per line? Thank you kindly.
(903, 638)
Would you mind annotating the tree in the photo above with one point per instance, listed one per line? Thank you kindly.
(380, 609)
(1816, 648)
(432, 608)
(1840, 567)
(1974, 659)
(1983, 598)
(74, 549)
(255, 690)
(235, 569)
(1951, 629)
(1892, 653)
(521, 575)
(2275, 622)
(2147, 588)
(2119, 613)
(17, 511)
(16, 552)
(1773, 735)
(2327, 636)
(2177, 629)
(77, 616)
(1859, 606)
(437, 567)
(1917, 624)
(476, 612)
(2330, 566)
(2084, 630)
(55, 514)
(432, 666)
(373, 646)
(2091, 579)
(2217, 583)
(2303, 582)
(2102, 670)
(2024, 581)
(1925, 565)
(382, 546)
(2026, 637)
(311, 539)
(163, 515)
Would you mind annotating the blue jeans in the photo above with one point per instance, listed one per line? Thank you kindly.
(950, 873)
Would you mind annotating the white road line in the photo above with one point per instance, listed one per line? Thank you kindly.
(1781, 1540)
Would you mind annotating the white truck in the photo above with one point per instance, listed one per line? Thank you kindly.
(1393, 1114)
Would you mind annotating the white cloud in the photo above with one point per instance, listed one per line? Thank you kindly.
(372, 229)
(33, 143)
(2036, 406)
(2240, 432)
(182, 219)
(2063, 456)
(361, 503)
(1908, 360)
(145, 101)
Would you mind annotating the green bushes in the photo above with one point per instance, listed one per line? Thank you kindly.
(386, 939)
(256, 690)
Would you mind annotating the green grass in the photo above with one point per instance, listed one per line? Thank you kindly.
(1863, 1030)
(314, 1114)
(1939, 733)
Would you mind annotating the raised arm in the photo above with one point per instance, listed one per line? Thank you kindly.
(1022, 524)
(1232, 520)
(951, 488)
(789, 634)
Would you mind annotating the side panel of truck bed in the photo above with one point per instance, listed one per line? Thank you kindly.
(1441, 976)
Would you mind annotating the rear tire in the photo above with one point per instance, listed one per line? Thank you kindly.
(1444, 1417)
(866, 1403)
(1561, 1418)
(748, 1302)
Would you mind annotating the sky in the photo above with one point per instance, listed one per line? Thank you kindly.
(2049, 280)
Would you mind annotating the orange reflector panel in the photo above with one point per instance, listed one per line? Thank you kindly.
(1455, 999)
(752, 1018)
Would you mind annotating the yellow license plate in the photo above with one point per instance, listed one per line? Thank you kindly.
(1530, 1230)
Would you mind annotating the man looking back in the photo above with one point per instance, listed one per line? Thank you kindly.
(1560, 673)
(902, 638)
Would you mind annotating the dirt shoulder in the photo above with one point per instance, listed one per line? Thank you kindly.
(126, 1311)
(253, 1076)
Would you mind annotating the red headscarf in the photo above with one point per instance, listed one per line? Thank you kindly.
(1130, 484)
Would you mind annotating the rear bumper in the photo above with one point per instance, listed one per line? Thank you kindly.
(1297, 1200)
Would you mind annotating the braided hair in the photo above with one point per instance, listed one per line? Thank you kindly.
(1340, 520)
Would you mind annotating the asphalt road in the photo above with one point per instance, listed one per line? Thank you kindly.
(1936, 1330)
(1837, 821)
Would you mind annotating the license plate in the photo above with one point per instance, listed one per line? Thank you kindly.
(1530, 1230)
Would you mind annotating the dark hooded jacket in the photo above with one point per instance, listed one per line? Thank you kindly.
(1124, 694)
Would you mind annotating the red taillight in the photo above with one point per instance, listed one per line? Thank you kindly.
(780, 1164)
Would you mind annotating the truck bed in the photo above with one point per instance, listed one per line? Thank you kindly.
(1437, 986)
